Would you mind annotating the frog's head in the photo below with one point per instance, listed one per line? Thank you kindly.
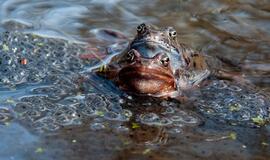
(146, 75)
(150, 41)
(150, 64)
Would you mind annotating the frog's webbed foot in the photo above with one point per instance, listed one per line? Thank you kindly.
(225, 68)
(109, 35)
(229, 62)
(192, 79)
(199, 77)
(232, 76)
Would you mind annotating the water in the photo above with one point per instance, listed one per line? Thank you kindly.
(51, 109)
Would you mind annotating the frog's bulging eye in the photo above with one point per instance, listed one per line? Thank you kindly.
(172, 33)
(130, 56)
(141, 28)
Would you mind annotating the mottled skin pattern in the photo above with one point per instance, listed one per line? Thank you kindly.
(156, 64)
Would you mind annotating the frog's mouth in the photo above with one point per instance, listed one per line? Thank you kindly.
(146, 79)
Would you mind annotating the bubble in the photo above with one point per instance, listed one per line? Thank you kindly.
(165, 121)
(111, 116)
(175, 130)
(35, 76)
(114, 107)
(5, 115)
(176, 118)
(154, 119)
(88, 111)
(51, 127)
(234, 106)
(126, 114)
(31, 115)
(66, 116)
(121, 128)
(234, 88)
(149, 118)
(220, 84)
(74, 64)
(34, 99)
(168, 104)
(45, 124)
(65, 120)
(70, 101)
(244, 115)
(97, 126)
(185, 118)
(22, 107)
(169, 110)
(95, 101)
(4, 110)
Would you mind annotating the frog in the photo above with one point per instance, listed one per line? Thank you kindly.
(155, 63)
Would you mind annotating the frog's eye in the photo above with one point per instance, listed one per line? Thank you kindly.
(141, 28)
(172, 33)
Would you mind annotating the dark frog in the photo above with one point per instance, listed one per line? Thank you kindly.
(156, 64)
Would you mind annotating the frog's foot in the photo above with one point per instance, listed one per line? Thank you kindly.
(182, 99)
(108, 35)
(115, 34)
(192, 79)
(232, 76)
(229, 62)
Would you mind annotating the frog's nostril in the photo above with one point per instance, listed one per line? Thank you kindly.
(165, 61)
(130, 56)
(141, 28)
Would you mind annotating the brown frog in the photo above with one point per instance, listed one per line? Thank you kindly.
(156, 64)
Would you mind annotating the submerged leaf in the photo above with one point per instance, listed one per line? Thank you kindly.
(135, 125)
(146, 151)
(39, 150)
(5, 47)
(233, 135)
(258, 120)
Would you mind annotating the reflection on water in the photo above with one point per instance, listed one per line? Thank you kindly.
(49, 111)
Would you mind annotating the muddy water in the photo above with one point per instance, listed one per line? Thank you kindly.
(50, 111)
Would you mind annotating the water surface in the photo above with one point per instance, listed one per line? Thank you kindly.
(49, 110)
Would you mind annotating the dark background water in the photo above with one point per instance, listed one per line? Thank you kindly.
(238, 30)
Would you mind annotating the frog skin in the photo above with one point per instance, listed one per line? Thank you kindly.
(156, 64)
